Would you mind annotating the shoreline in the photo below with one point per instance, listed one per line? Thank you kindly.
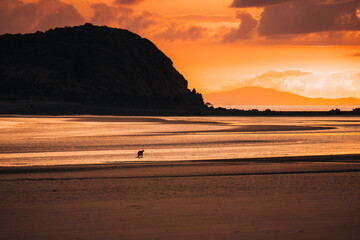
(341, 158)
(43, 108)
(299, 165)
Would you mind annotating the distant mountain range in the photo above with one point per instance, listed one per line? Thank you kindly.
(266, 96)
(89, 65)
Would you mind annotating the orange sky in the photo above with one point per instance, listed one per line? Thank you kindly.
(308, 47)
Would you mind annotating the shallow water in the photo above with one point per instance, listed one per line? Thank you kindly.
(292, 108)
(26, 141)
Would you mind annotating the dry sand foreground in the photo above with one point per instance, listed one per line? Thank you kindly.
(183, 200)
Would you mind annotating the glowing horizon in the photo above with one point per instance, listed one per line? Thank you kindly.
(310, 49)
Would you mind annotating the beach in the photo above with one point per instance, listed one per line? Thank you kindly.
(77, 177)
(191, 200)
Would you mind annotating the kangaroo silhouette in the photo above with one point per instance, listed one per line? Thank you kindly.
(140, 154)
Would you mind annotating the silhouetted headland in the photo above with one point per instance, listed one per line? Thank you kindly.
(90, 69)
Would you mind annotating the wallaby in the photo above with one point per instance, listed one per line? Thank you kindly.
(140, 154)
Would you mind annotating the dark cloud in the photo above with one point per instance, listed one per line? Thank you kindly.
(309, 16)
(248, 23)
(19, 17)
(255, 3)
(127, 2)
(356, 54)
(204, 18)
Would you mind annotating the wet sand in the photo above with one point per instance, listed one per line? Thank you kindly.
(277, 198)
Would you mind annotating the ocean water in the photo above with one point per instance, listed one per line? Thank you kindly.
(28, 141)
(292, 108)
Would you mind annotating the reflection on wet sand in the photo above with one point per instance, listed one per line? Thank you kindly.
(109, 139)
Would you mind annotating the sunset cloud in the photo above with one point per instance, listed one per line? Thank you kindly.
(205, 18)
(122, 17)
(309, 84)
(284, 74)
(19, 17)
(299, 17)
(137, 22)
(147, 23)
(319, 38)
(179, 32)
(280, 80)
(247, 25)
(104, 14)
(255, 3)
(55, 13)
(303, 21)
(127, 2)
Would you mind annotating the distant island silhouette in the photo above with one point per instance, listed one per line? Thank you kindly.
(266, 96)
(91, 69)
